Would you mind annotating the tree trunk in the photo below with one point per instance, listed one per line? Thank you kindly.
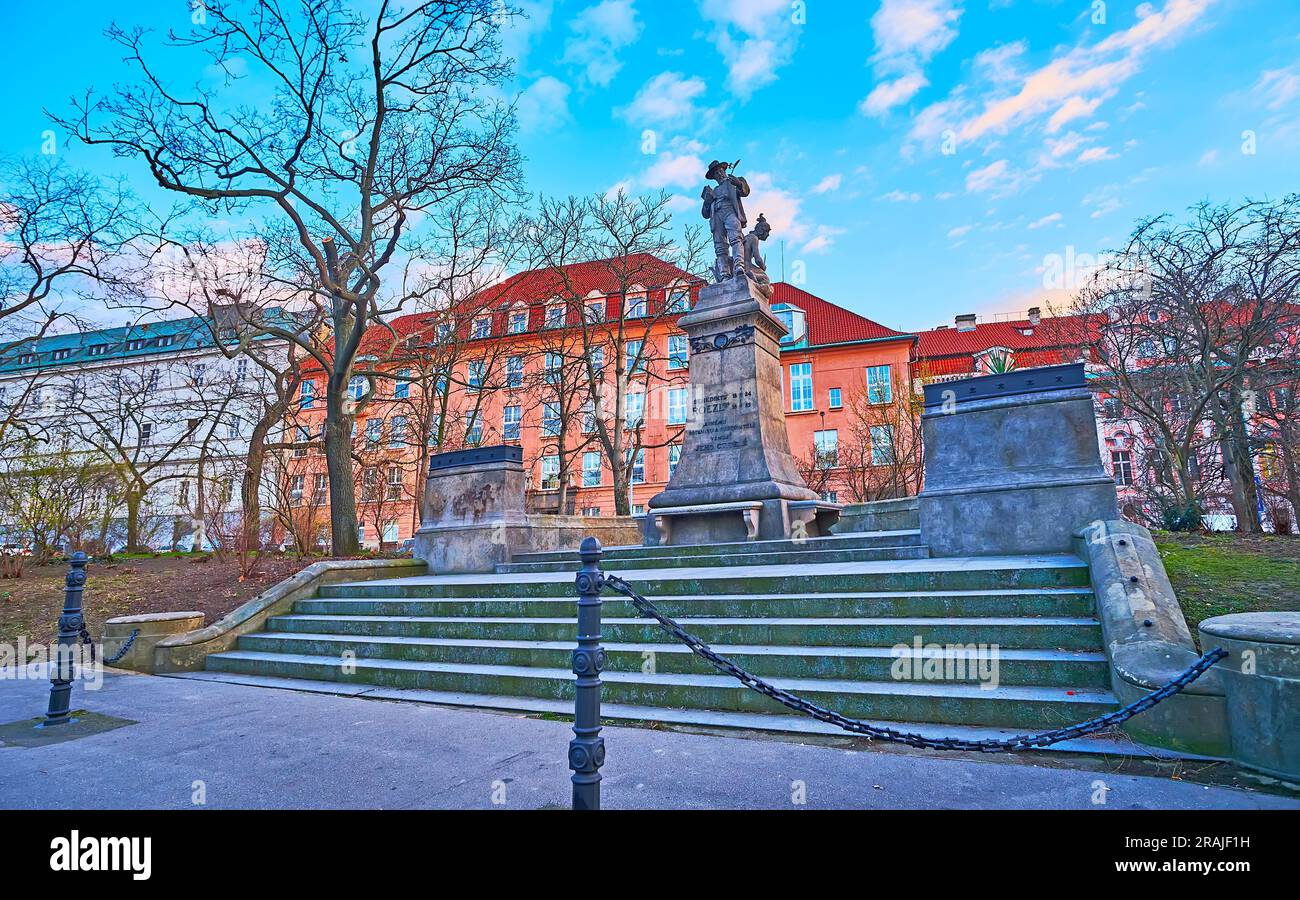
(338, 464)
(250, 488)
(132, 499)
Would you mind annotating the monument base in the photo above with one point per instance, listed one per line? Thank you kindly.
(736, 479)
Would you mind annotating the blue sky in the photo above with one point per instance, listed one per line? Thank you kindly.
(916, 158)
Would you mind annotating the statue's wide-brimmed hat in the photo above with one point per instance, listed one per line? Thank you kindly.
(713, 168)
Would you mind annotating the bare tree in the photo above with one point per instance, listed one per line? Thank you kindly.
(645, 276)
(374, 128)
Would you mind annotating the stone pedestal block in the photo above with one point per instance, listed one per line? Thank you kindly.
(1012, 464)
(736, 449)
(474, 517)
(1261, 680)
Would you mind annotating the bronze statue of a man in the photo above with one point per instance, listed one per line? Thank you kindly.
(726, 214)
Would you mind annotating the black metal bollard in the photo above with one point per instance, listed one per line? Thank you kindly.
(63, 659)
(587, 749)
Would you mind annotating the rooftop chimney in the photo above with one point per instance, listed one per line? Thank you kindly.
(1035, 315)
(966, 322)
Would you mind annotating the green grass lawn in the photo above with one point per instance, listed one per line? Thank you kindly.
(1216, 574)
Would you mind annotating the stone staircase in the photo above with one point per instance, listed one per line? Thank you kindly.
(820, 619)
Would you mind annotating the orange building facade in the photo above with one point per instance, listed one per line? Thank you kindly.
(517, 366)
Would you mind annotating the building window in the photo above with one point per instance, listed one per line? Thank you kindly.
(827, 445)
(678, 354)
(634, 360)
(550, 473)
(1146, 349)
(136, 344)
(795, 321)
(594, 311)
(146, 433)
(636, 306)
(638, 509)
(597, 357)
(234, 429)
(591, 511)
(880, 387)
(241, 369)
(474, 374)
(591, 469)
(320, 485)
(589, 417)
(514, 371)
(395, 483)
(677, 406)
(554, 362)
(834, 399)
(1112, 408)
(374, 431)
(397, 432)
(831, 496)
(674, 457)
(481, 328)
(199, 371)
(98, 349)
(638, 466)
(357, 387)
(402, 386)
(61, 353)
(306, 394)
(510, 419)
(442, 334)
(882, 445)
(679, 300)
(369, 485)
(390, 532)
(551, 419)
(302, 437)
(801, 389)
(296, 483)
(1121, 463)
(473, 427)
(635, 411)
(555, 315)
(518, 321)
(153, 381)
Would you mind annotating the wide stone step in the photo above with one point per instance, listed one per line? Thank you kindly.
(1005, 706)
(958, 574)
(949, 664)
(856, 541)
(1032, 602)
(1105, 744)
(667, 560)
(1060, 632)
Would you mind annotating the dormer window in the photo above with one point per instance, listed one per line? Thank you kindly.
(61, 353)
(555, 315)
(636, 306)
(678, 301)
(518, 320)
(795, 321)
(27, 359)
(98, 349)
(594, 311)
(481, 328)
(137, 344)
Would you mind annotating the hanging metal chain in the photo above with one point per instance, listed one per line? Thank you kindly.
(992, 745)
(116, 657)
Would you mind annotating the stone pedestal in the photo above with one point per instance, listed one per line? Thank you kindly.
(1261, 678)
(1012, 464)
(474, 515)
(736, 479)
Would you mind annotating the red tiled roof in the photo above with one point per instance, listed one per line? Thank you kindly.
(831, 324)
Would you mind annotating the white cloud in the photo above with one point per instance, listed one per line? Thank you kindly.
(888, 94)
(829, 183)
(667, 99)
(669, 170)
(897, 196)
(998, 178)
(755, 37)
(1096, 154)
(1070, 86)
(908, 33)
(1208, 158)
(543, 105)
(517, 37)
(822, 241)
(599, 32)
(959, 231)
(1276, 88)
(1049, 219)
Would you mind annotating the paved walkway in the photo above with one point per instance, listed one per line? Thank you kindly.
(250, 747)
